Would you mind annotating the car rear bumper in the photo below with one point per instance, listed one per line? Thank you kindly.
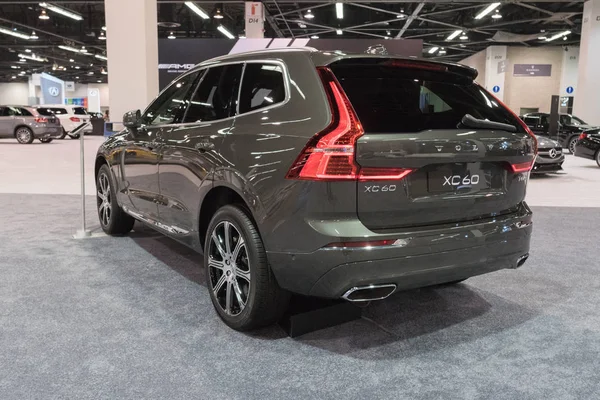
(47, 132)
(419, 258)
(547, 164)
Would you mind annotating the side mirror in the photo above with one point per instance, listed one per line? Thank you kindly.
(132, 119)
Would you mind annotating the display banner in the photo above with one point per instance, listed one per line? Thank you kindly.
(69, 86)
(255, 21)
(532, 70)
(52, 89)
(178, 56)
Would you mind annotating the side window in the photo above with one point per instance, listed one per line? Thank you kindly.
(263, 85)
(216, 95)
(79, 111)
(10, 111)
(170, 104)
(531, 121)
(545, 120)
(25, 112)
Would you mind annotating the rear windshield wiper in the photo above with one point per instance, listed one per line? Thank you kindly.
(470, 121)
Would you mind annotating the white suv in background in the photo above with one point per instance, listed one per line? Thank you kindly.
(70, 116)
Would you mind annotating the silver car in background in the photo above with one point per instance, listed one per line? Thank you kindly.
(26, 124)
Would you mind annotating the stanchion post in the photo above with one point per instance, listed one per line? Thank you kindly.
(83, 232)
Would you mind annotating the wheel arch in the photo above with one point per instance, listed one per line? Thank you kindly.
(100, 161)
(21, 126)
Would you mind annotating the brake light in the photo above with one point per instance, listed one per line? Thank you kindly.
(416, 64)
(522, 167)
(329, 155)
(41, 120)
(583, 136)
(75, 119)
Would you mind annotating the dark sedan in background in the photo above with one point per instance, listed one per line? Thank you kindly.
(588, 145)
(569, 129)
(550, 156)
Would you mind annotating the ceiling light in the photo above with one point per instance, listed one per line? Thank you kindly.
(218, 14)
(20, 35)
(91, 73)
(302, 25)
(76, 77)
(487, 10)
(71, 60)
(103, 72)
(99, 81)
(543, 38)
(54, 66)
(44, 15)
(77, 67)
(442, 52)
(309, 15)
(33, 57)
(433, 50)
(464, 37)
(339, 32)
(558, 36)
(197, 10)
(61, 11)
(33, 36)
(225, 32)
(102, 36)
(314, 37)
(462, 45)
(454, 34)
(242, 36)
(339, 10)
(104, 28)
(171, 36)
(27, 50)
(497, 15)
(564, 38)
(69, 48)
(83, 50)
(14, 67)
(388, 33)
(101, 57)
(14, 77)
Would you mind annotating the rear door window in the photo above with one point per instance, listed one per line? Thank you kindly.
(216, 95)
(263, 86)
(25, 112)
(391, 99)
(79, 111)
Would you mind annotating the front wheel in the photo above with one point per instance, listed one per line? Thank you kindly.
(242, 287)
(46, 140)
(113, 220)
(572, 143)
(24, 135)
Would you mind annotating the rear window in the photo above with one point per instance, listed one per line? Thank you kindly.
(59, 111)
(45, 111)
(79, 111)
(400, 100)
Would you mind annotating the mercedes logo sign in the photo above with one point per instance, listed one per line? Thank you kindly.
(93, 92)
(53, 91)
(552, 153)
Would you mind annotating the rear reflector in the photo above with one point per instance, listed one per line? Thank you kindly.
(583, 136)
(329, 155)
(522, 167)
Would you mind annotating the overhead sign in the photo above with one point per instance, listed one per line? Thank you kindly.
(532, 70)
(570, 89)
(255, 21)
(52, 89)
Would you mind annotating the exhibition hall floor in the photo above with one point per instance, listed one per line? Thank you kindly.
(130, 317)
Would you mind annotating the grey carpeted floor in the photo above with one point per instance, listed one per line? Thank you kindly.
(130, 318)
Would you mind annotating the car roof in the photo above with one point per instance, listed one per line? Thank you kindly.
(324, 58)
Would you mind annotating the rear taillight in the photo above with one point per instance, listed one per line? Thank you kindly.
(330, 154)
(41, 120)
(522, 167)
(583, 136)
(75, 119)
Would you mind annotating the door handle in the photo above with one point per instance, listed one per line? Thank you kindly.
(205, 145)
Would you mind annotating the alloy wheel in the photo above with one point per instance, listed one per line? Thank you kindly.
(23, 135)
(103, 199)
(229, 268)
(572, 144)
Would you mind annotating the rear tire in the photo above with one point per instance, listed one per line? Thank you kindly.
(24, 135)
(113, 220)
(598, 158)
(47, 140)
(239, 279)
(572, 143)
(64, 134)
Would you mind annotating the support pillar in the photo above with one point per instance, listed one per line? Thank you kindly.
(132, 44)
(255, 20)
(495, 70)
(587, 106)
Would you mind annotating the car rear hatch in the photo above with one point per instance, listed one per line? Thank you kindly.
(48, 116)
(435, 148)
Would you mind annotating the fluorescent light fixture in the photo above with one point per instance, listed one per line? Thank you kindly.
(14, 77)
(339, 10)
(543, 38)
(464, 37)
(10, 32)
(339, 31)
(558, 36)
(309, 15)
(314, 37)
(454, 34)
(101, 57)
(32, 57)
(69, 48)
(77, 67)
(433, 50)
(33, 36)
(225, 32)
(442, 51)
(192, 6)
(14, 67)
(487, 10)
(27, 50)
(62, 11)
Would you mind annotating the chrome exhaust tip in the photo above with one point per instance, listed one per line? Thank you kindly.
(522, 259)
(369, 293)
